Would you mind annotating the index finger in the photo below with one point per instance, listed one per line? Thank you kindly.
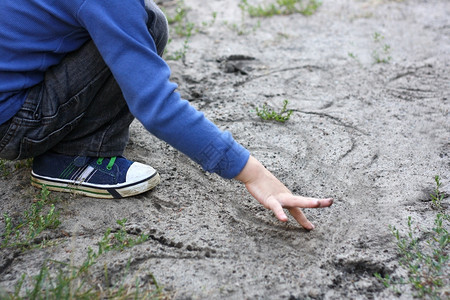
(290, 201)
(300, 217)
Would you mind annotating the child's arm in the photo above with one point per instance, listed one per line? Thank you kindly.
(274, 195)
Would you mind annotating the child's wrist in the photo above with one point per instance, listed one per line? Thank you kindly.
(251, 170)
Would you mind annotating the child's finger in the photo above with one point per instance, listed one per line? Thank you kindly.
(289, 200)
(300, 217)
(277, 209)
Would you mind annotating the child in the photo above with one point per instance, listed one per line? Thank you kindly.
(73, 76)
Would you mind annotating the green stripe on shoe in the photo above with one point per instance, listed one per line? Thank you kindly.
(67, 171)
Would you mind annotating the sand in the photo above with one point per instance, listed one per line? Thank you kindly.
(370, 134)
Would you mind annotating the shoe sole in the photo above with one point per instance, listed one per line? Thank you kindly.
(96, 191)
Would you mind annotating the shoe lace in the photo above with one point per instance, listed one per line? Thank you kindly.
(112, 160)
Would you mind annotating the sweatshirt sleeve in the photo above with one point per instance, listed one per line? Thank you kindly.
(118, 28)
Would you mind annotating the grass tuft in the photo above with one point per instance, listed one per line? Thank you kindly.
(281, 116)
(425, 260)
(60, 280)
(120, 239)
(381, 53)
(281, 7)
(7, 167)
(33, 222)
(437, 197)
(181, 27)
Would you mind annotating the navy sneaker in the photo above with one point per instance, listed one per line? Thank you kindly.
(114, 177)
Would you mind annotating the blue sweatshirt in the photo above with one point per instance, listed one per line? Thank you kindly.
(36, 34)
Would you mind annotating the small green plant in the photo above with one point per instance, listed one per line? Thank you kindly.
(182, 28)
(437, 197)
(281, 7)
(425, 261)
(352, 55)
(281, 116)
(60, 280)
(7, 167)
(4, 170)
(381, 53)
(25, 163)
(120, 239)
(179, 54)
(243, 28)
(179, 15)
(185, 29)
(211, 22)
(34, 221)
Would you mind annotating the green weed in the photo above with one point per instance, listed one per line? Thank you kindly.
(281, 116)
(7, 167)
(23, 164)
(180, 24)
(243, 28)
(381, 53)
(281, 7)
(33, 222)
(425, 261)
(181, 27)
(4, 169)
(211, 22)
(437, 197)
(185, 29)
(60, 280)
(120, 239)
(179, 54)
(180, 14)
(352, 55)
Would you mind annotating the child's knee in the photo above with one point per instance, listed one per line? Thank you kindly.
(157, 25)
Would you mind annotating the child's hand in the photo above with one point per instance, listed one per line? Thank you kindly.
(271, 193)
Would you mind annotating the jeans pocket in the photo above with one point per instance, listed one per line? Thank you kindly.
(30, 147)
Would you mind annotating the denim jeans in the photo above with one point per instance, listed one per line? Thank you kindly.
(79, 108)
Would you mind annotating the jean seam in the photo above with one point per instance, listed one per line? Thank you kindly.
(8, 135)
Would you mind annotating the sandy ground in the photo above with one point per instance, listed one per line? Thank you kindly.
(371, 135)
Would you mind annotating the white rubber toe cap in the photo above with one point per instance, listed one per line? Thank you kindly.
(138, 172)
